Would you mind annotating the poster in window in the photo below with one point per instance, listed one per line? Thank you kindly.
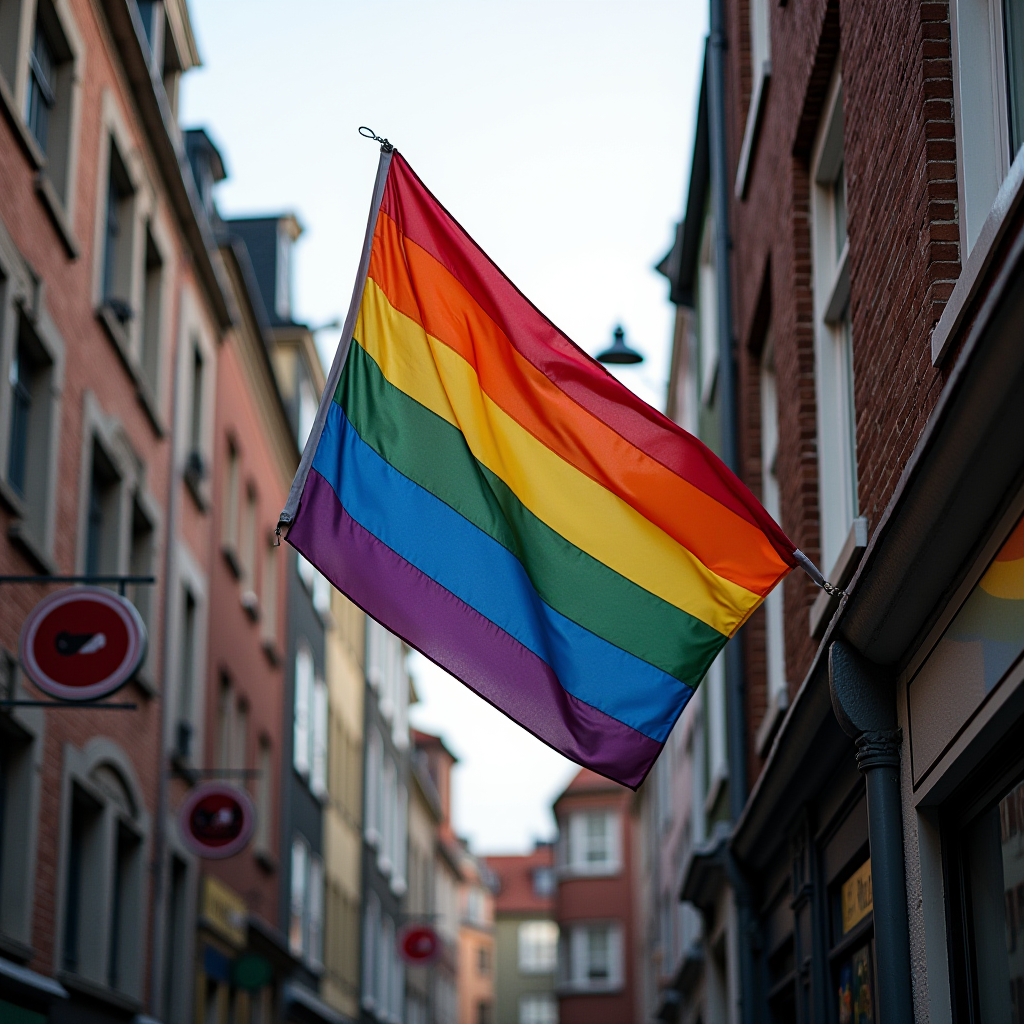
(855, 1002)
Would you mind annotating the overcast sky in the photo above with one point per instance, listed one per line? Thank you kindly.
(558, 132)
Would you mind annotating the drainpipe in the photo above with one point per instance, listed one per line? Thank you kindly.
(726, 391)
(864, 701)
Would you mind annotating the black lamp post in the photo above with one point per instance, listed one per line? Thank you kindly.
(620, 352)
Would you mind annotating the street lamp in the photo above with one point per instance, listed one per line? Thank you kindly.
(620, 352)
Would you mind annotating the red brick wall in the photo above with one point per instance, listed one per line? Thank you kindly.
(904, 254)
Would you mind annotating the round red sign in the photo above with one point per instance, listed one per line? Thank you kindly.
(82, 643)
(419, 944)
(217, 820)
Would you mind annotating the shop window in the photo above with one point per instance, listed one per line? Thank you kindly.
(853, 949)
(985, 853)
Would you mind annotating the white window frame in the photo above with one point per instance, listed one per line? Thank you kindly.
(57, 181)
(775, 650)
(537, 947)
(833, 342)
(578, 843)
(980, 109)
(574, 966)
(86, 770)
(22, 299)
(195, 335)
(538, 1008)
(760, 72)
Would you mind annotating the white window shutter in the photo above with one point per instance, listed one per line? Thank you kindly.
(615, 972)
(303, 697)
(318, 771)
(613, 840)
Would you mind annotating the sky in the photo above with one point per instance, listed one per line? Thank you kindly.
(557, 132)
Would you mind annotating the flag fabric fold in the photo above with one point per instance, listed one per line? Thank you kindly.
(488, 492)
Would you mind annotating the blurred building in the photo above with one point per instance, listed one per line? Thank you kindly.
(254, 457)
(346, 684)
(594, 902)
(433, 764)
(526, 937)
(385, 823)
(476, 940)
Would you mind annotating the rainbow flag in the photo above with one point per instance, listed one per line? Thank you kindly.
(488, 492)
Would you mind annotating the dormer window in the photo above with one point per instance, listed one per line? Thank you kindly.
(283, 284)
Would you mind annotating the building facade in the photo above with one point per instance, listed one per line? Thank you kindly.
(476, 940)
(594, 902)
(860, 328)
(385, 822)
(110, 307)
(525, 937)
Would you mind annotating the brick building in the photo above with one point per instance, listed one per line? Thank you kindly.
(594, 902)
(111, 316)
(856, 307)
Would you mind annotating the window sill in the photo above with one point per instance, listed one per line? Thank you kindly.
(272, 652)
(753, 129)
(18, 535)
(715, 790)
(773, 716)
(196, 486)
(11, 499)
(824, 607)
(566, 988)
(55, 208)
(839, 296)
(251, 605)
(231, 557)
(28, 143)
(99, 992)
(150, 404)
(973, 278)
(16, 950)
(145, 682)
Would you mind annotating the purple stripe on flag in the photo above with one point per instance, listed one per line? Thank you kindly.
(459, 639)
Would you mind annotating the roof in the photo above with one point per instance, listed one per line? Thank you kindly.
(587, 781)
(428, 739)
(516, 893)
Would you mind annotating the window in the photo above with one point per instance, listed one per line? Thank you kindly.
(538, 1008)
(117, 240)
(484, 1012)
(102, 535)
(544, 881)
(231, 504)
(195, 417)
(389, 794)
(483, 961)
(318, 757)
(592, 843)
(31, 429)
(837, 456)
(19, 794)
(141, 560)
(594, 957)
(151, 314)
(268, 601)
(174, 981)
(475, 905)
(42, 97)
(307, 410)
(988, 91)
(371, 946)
(302, 732)
(315, 944)
(707, 312)
(374, 781)
(186, 674)
(299, 897)
(103, 881)
(248, 550)
(774, 645)
(538, 947)
(264, 796)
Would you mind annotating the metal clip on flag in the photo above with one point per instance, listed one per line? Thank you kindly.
(490, 493)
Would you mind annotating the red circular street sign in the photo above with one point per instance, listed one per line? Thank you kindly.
(418, 944)
(82, 643)
(217, 820)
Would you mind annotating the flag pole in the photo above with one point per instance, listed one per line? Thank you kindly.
(291, 507)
